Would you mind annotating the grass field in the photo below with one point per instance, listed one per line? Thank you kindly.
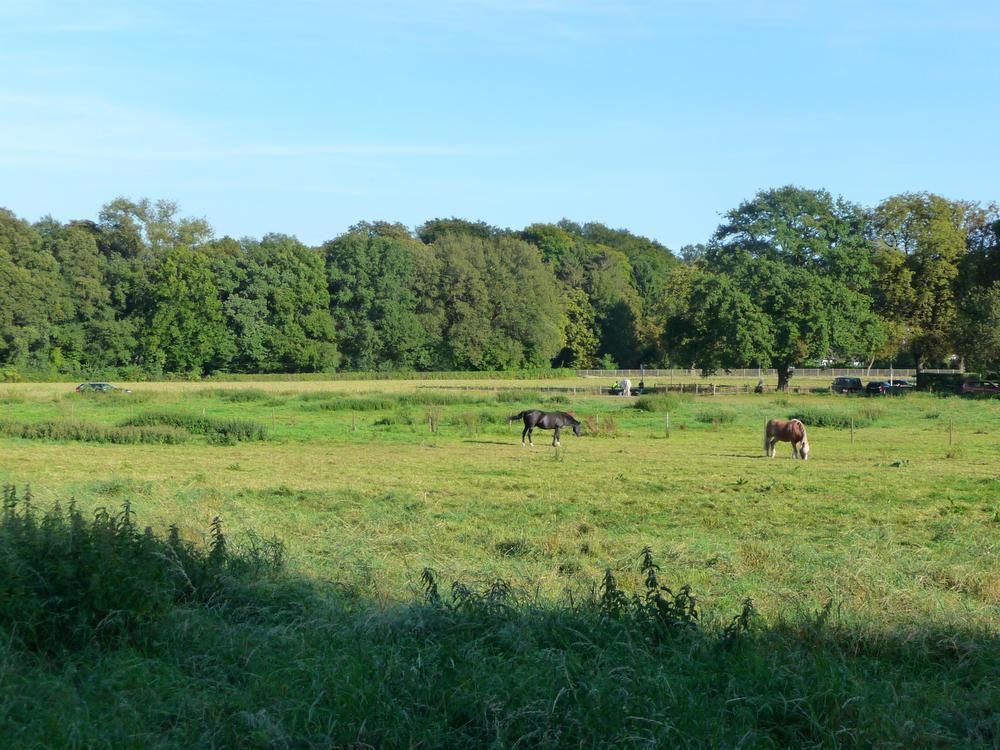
(889, 537)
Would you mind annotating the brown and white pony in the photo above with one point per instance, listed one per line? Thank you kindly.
(787, 431)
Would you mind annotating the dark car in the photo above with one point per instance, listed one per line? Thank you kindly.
(847, 385)
(980, 387)
(888, 387)
(100, 388)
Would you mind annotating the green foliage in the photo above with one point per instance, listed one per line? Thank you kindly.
(277, 306)
(927, 236)
(942, 382)
(93, 433)
(220, 430)
(660, 402)
(185, 330)
(67, 582)
(791, 275)
(837, 417)
(790, 272)
(375, 301)
(715, 416)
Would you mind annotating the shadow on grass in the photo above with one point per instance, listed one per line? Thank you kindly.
(224, 647)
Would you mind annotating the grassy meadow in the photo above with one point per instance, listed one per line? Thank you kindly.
(873, 569)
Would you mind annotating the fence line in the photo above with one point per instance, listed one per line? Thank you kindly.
(753, 372)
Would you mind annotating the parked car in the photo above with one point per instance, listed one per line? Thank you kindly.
(981, 387)
(100, 388)
(847, 385)
(888, 387)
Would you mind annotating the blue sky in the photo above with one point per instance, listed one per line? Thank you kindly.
(306, 117)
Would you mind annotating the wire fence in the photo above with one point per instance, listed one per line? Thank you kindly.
(753, 372)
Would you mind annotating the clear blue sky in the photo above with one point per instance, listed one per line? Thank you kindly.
(306, 117)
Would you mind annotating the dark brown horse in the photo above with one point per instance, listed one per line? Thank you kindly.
(787, 431)
(545, 420)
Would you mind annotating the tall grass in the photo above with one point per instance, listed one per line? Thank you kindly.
(93, 433)
(221, 646)
(661, 402)
(838, 416)
(219, 430)
(66, 581)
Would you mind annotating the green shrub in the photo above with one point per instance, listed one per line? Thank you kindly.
(94, 433)
(225, 430)
(66, 581)
(716, 416)
(839, 418)
(660, 402)
(240, 395)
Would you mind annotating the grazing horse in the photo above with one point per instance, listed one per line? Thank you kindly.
(787, 431)
(626, 385)
(545, 420)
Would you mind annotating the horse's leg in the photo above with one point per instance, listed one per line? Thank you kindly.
(523, 433)
(530, 441)
(555, 438)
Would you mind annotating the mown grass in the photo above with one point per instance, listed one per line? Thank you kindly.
(895, 526)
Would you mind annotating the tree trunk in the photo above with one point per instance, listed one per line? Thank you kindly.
(917, 362)
(783, 376)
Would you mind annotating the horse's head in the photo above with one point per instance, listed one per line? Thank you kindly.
(576, 428)
(804, 449)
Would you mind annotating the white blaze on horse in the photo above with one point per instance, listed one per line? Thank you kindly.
(786, 431)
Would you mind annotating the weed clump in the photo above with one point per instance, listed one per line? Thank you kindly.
(94, 433)
(226, 431)
(661, 402)
(837, 417)
(716, 416)
(241, 395)
(67, 581)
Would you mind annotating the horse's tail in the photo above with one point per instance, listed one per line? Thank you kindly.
(519, 415)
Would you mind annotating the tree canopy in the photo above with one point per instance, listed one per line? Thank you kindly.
(791, 276)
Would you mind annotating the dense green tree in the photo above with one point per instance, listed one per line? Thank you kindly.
(931, 234)
(185, 328)
(502, 305)
(433, 230)
(278, 307)
(374, 301)
(131, 227)
(581, 344)
(34, 302)
(798, 259)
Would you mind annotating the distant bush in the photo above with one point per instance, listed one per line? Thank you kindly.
(660, 402)
(517, 396)
(94, 433)
(240, 395)
(837, 417)
(224, 430)
(356, 403)
(716, 416)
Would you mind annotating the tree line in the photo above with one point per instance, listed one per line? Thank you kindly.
(790, 277)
